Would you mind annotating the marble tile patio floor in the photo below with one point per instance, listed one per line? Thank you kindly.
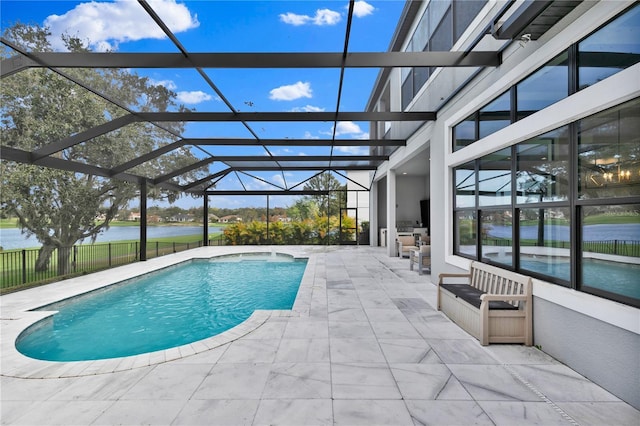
(363, 346)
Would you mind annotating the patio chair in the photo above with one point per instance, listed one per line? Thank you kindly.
(424, 240)
(405, 243)
(421, 258)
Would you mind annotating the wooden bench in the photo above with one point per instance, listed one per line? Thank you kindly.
(493, 305)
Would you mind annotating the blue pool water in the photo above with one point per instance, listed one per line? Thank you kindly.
(164, 309)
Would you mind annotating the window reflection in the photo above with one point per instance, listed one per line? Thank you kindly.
(609, 153)
(465, 231)
(494, 178)
(464, 13)
(545, 242)
(420, 77)
(497, 236)
(610, 50)
(543, 168)
(495, 116)
(465, 133)
(546, 86)
(465, 176)
(442, 23)
(611, 249)
(607, 51)
(407, 90)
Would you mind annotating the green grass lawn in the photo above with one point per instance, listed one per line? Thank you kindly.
(602, 219)
(8, 223)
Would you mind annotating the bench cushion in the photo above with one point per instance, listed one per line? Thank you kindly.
(472, 295)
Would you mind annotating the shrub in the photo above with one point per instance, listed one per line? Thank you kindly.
(309, 231)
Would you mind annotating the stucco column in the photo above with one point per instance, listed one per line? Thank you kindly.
(373, 215)
(391, 213)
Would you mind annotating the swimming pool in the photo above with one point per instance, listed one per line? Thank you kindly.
(164, 309)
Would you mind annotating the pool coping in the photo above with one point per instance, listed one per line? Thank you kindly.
(17, 314)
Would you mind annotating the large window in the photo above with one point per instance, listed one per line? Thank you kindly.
(466, 185)
(609, 153)
(497, 236)
(544, 87)
(494, 179)
(463, 14)
(542, 173)
(573, 221)
(610, 50)
(442, 23)
(466, 235)
(495, 116)
(610, 263)
(465, 133)
(606, 51)
(407, 89)
(545, 243)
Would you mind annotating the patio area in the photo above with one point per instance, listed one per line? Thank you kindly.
(364, 345)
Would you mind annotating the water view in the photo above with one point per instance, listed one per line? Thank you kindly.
(604, 232)
(12, 238)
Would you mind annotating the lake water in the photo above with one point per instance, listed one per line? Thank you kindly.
(623, 231)
(12, 238)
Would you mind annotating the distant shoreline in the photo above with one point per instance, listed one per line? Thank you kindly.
(12, 239)
(13, 223)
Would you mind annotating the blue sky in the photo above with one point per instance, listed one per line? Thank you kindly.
(238, 26)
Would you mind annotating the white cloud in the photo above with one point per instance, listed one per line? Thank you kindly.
(169, 84)
(194, 97)
(326, 17)
(293, 19)
(308, 135)
(106, 24)
(353, 150)
(278, 179)
(307, 108)
(291, 92)
(322, 17)
(362, 9)
(347, 128)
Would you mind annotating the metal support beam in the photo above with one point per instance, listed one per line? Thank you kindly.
(249, 60)
(143, 221)
(265, 192)
(293, 142)
(288, 116)
(207, 179)
(148, 156)
(205, 221)
(102, 129)
(183, 170)
(303, 168)
(299, 158)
